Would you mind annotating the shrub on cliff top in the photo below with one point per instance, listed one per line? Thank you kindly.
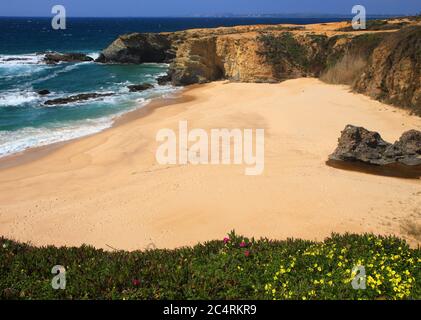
(283, 52)
(233, 268)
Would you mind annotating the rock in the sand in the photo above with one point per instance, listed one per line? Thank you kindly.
(43, 92)
(77, 98)
(358, 144)
(140, 87)
(55, 57)
(407, 149)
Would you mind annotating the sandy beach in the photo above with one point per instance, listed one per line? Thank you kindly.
(107, 190)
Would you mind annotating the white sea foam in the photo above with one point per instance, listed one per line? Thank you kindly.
(16, 98)
(19, 140)
(94, 55)
(163, 65)
(24, 59)
(12, 142)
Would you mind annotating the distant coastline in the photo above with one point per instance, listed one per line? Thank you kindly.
(228, 15)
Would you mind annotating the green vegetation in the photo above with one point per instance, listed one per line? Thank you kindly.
(233, 268)
(346, 65)
(283, 52)
(365, 44)
(361, 46)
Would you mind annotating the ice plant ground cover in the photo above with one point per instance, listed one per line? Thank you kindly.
(231, 268)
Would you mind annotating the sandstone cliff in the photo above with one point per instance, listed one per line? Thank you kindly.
(394, 72)
(390, 55)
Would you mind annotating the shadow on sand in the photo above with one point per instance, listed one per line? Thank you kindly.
(392, 170)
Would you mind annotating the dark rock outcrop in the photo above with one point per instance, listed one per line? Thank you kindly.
(357, 144)
(140, 87)
(138, 48)
(77, 98)
(164, 79)
(55, 57)
(43, 92)
(407, 149)
(16, 59)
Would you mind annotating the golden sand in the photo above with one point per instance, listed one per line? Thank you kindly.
(107, 190)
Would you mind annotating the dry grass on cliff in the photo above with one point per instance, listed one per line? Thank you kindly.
(345, 71)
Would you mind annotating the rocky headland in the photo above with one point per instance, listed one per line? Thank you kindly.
(383, 61)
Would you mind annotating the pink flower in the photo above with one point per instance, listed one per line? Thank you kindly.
(136, 282)
(226, 240)
(243, 244)
(247, 253)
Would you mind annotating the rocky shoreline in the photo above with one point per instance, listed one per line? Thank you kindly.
(390, 52)
(388, 55)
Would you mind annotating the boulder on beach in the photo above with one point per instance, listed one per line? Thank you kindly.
(407, 149)
(55, 57)
(358, 144)
(77, 98)
(140, 87)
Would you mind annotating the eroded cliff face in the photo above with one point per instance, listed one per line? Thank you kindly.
(196, 56)
(220, 57)
(394, 72)
(275, 53)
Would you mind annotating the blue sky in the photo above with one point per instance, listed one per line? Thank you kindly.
(143, 8)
